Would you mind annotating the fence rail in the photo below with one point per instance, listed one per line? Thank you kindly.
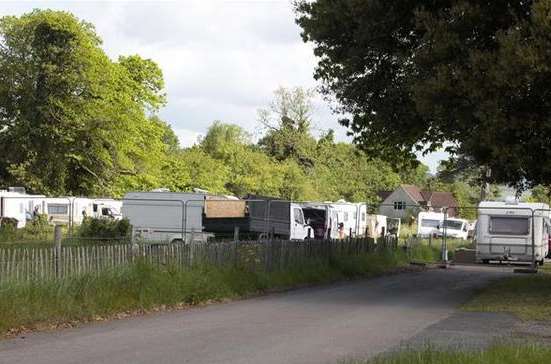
(50, 262)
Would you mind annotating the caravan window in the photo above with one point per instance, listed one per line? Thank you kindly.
(509, 225)
(57, 209)
(430, 223)
(454, 225)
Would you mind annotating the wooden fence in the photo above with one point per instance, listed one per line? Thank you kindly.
(56, 262)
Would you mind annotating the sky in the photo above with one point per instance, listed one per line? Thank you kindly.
(221, 59)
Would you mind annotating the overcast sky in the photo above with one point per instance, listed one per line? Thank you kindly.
(222, 59)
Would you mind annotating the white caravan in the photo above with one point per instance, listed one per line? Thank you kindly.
(107, 208)
(376, 226)
(351, 217)
(165, 216)
(428, 223)
(506, 231)
(20, 206)
(454, 228)
(65, 210)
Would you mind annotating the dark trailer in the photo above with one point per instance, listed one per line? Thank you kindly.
(255, 216)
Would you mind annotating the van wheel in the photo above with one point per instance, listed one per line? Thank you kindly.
(177, 241)
(485, 261)
(541, 262)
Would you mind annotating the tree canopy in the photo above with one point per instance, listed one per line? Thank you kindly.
(467, 75)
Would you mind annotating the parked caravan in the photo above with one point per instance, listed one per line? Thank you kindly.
(506, 230)
(20, 206)
(65, 210)
(376, 226)
(107, 208)
(255, 217)
(428, 223)
(454, 228)
(165, 216)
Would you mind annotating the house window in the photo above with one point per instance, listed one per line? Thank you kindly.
(399, 205)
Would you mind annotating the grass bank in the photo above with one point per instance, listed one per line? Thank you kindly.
(142, 287)
(528, 297)
(501, 354)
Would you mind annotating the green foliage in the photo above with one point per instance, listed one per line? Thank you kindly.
(468, 75)
(104, 228)
(72, 120)
(141, 286)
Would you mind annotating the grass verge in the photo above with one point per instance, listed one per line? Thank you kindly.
(142, 287)
(499, 354)
(528, 297)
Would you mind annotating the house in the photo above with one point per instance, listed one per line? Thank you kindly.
(408, 200)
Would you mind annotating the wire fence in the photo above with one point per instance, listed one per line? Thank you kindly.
(62, 261)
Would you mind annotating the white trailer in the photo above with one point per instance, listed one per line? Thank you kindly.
(165, 216)
(20, 206)
(428, 223)
(454, 228)
(107, 208)
(506, 231)
(65, 210)
(376, 226)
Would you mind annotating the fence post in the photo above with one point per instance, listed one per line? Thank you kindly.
(235, 246)
(57, 250)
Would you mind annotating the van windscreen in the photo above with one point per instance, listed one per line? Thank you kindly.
(430, 223)
(509, 225)
(453, 224)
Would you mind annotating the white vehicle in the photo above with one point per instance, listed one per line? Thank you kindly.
(165, 216)
(65, 210)
(454, 228)
(323, 218)
(506, 231)
(351, 218)
(376, 226)
(428, 223)
(107, 208)
(20, 206)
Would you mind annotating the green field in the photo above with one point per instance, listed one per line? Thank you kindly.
(500, 354)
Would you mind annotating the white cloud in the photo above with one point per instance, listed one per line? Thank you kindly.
(221, 59)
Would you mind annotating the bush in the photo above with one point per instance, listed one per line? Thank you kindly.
(104, 228)
(38, 225)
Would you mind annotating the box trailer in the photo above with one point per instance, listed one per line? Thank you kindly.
(507, 230)
(256, 217)
(165, 216)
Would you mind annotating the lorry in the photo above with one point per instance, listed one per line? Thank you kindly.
(505, 231)
(428, 223)
(162, 216)
(256, 217)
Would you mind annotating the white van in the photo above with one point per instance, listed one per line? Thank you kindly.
(428, 223)
(505, 231)
(454, 228)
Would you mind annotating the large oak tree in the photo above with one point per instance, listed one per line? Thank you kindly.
(472, 76)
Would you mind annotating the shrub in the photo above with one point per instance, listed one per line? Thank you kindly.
(104, 228)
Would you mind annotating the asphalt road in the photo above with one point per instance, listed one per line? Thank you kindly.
(314, 325)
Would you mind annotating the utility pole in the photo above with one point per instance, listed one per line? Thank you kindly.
(485, 187)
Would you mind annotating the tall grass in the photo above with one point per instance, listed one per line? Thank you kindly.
(499, 354)
(142, 286)
(528, 297)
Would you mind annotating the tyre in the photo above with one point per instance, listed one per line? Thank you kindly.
(485, 261)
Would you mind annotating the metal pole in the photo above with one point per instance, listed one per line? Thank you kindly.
(533, 241)
(57, 250)
(444, 241)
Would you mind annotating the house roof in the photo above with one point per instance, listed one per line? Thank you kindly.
(440, 199)
(384, 194)
(436, 199)
(414, 192)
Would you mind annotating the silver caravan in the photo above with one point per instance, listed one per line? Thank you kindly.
(506, 231)
(164, 216)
